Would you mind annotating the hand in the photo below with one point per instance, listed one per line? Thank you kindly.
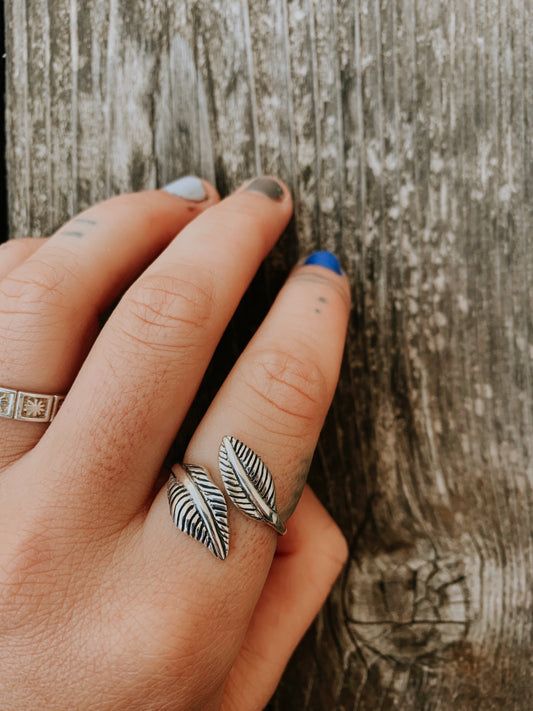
(104, 603)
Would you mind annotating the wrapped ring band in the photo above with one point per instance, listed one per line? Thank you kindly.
(198, 507)
(28, 407)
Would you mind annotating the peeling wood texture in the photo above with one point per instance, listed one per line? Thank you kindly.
(404, 129)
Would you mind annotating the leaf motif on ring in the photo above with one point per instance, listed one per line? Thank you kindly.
(249, 483)
(198, 508)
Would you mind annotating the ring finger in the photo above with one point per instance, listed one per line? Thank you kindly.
(275, 401)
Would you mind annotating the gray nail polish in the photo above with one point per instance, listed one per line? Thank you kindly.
(189, 187)
(266, 186)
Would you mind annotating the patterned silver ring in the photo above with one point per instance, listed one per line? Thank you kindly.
(28, 407)
(198, 507)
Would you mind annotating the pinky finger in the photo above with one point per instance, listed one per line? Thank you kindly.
(307, 562)
(15, 251)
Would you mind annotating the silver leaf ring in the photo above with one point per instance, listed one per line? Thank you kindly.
(249, 483)
(198, 507)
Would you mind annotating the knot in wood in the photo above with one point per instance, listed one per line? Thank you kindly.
(404, 606)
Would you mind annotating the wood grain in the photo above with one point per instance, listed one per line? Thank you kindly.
(404, 130)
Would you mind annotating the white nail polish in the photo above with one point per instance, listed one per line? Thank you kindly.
(189, 187)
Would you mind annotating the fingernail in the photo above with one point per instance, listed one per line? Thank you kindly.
(324, 259)
(266, 186)
(189, 187)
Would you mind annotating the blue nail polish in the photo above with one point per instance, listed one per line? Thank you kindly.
(189, 187)
(324, 259)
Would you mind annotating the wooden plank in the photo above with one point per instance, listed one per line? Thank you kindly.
(404, 130)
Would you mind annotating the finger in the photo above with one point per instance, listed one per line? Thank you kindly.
(143, 372)
(58, 293)
(308, 560)
(50, 304)
(15, 251)
(277, 396)
(274, 400)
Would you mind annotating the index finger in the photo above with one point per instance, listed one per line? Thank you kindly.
(51, 303)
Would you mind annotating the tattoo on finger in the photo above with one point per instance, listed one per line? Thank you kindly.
(78, 233)
(298, 487)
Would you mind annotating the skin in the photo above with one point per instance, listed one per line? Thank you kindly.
(104, 604)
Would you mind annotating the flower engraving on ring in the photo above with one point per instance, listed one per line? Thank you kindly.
(4, 404)
(34, 407)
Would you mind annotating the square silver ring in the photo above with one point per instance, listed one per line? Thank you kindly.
(7, 402)
(34, 407)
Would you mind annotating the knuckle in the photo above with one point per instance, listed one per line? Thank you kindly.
(23, 574)
(293, 390)
(33, 302)
(18, 248)
(42, 283)
(167, 311)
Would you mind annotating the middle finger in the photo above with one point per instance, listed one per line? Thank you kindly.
(139, 380)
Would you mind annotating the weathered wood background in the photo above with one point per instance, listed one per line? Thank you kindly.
(404, 128)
